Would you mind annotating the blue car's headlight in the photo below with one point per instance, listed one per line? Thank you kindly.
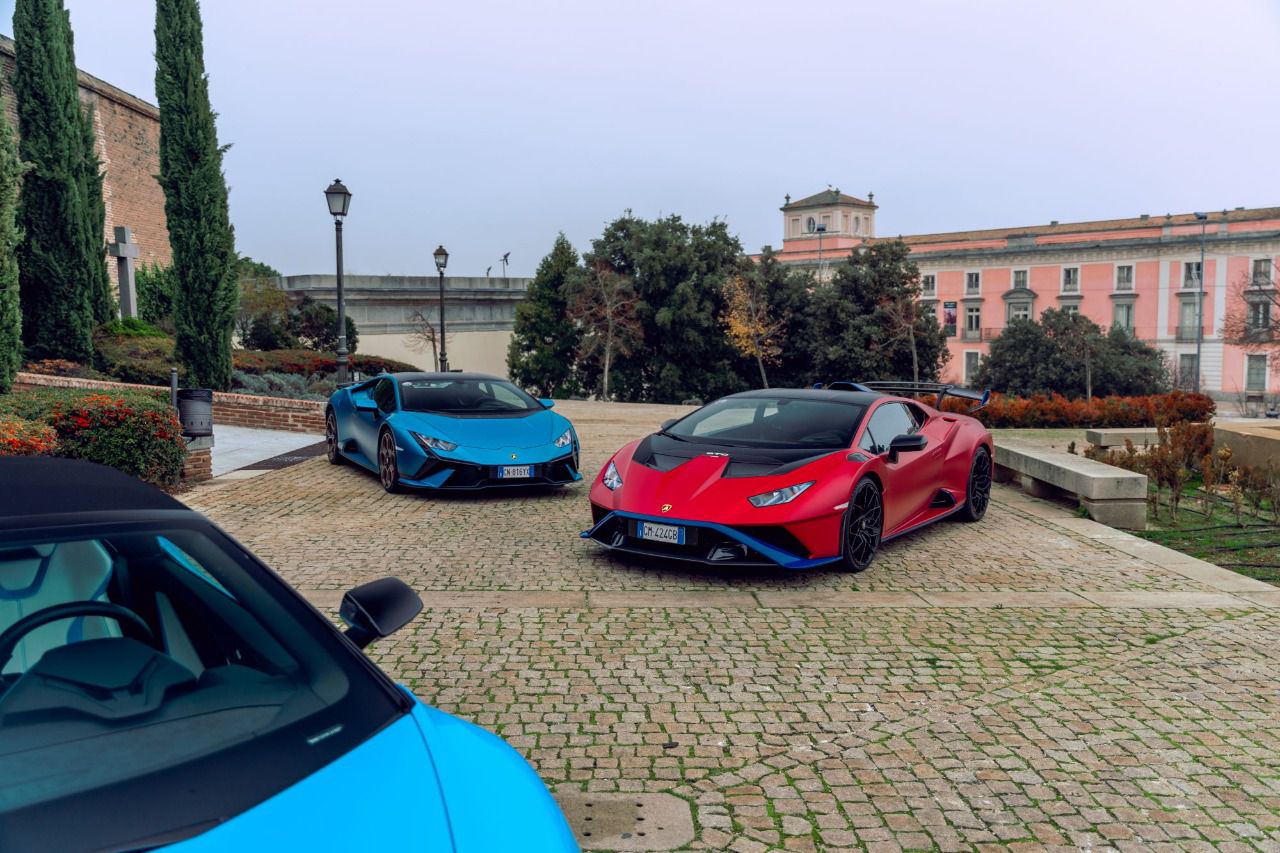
(780, 496)
(612, 479)
(563, 440)
(432, 443)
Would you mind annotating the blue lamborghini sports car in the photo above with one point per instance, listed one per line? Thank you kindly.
(162, 688)
(450, 431)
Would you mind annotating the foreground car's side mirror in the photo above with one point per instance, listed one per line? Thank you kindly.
(547, 403)
(906, 444)
(669, 423)
(378, 609)
(366, 406)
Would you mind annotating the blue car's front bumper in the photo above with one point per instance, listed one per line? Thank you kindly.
(711, 544)
(440, 471)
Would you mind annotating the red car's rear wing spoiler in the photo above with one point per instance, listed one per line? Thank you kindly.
(942, 389)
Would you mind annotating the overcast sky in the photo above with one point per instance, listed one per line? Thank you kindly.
(490, 126)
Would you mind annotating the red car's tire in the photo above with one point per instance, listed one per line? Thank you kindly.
(862, 527)
(388, 467)
(977, 495)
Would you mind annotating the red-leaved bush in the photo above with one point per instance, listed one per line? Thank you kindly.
(20, 437)
(1057, 411)
(139, 436)
(304, 362)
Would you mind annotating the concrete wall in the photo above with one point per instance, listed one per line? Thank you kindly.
(1251, 444)
(483, 351)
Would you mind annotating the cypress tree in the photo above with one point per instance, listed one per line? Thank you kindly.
(195, 193)
(544, 343)
(101, 300)
(10, 314)
(57, 273)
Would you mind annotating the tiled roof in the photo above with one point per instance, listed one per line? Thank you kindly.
(1177, 219)
(827, 197)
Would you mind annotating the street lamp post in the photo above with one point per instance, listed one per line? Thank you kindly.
(442, 260)
(339, 198)
(1204, 223)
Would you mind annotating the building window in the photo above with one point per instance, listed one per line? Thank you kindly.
(972, 283)
(928, 285)
(1123, 316)
(1191, 275)
(1187, 321)
(1255, 373)
(826, 222)
(973, 323)
(811, 225)
(1019, 279)
(857, 225)
(1262, 272)
(1187, 370)
(795, 226)
(1259, 316)
(1124, 277)
(1071, 310)
(1019, 310)
(1071, 280)
(972, 361)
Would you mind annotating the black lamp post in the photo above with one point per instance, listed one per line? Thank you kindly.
(339, 198)
(1204, 223)
(442, 260)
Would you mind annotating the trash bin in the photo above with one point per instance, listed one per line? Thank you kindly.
(195, 411)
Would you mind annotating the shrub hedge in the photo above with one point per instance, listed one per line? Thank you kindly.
(1055, 410)
(135, 432)
(21, 437)
(304, 362)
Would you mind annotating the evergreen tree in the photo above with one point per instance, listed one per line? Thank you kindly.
(101, 300)
(195, 191)
(57, 272)
(10, 313)
(855, 323)
(545, 340)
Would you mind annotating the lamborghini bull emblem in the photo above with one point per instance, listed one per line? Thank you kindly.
(513, 456)
(666, 507)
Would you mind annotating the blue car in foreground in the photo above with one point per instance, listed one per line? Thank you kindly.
(161, 687)
(454, 431)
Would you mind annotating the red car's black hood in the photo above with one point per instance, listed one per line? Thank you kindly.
(663, 452)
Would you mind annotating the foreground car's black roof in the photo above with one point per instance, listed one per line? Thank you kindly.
(864, 398)
(41, 485)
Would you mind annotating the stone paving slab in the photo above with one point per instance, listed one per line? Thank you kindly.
(1030, 682)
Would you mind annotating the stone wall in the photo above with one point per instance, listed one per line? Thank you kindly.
(128, 136)
(244, 410)
(1251, 444)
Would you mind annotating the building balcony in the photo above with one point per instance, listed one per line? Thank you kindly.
(1185, 334)
(975, 335)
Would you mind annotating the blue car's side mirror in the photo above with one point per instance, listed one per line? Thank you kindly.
(378, 609)
(547, 403)
(366, 406)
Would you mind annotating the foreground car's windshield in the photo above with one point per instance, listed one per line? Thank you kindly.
(465, 396)
(772, 422)
(171, 647)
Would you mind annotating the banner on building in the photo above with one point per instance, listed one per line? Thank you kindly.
(949, 319)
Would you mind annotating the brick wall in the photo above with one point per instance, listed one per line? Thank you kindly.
(244, 410)
(198, 465)
(128, 132)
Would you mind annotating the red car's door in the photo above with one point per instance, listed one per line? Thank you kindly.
(911, 480)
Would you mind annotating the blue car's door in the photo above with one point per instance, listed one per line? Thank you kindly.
(365, 425)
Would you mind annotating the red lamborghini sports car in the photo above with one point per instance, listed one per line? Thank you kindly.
(796, 478)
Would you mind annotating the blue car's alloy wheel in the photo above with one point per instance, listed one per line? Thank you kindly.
(863, 525)
(388, 470)
(331, 451)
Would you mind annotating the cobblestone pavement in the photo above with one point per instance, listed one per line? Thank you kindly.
(1035, 681)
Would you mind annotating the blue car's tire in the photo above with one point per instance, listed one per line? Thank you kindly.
(331, 450)
(388, 467)
(862, 527)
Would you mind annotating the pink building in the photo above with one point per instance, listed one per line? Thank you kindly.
(1143, 274)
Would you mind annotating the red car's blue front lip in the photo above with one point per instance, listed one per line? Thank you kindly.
(773, 555)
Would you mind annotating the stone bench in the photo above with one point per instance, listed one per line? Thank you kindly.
(1116, 436)
(1112, 496)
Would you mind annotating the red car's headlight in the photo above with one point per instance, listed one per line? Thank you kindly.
(780, 496)
(612, 479)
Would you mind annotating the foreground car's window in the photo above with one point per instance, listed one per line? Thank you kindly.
(222, 659)
(465, 397)
(771, 422)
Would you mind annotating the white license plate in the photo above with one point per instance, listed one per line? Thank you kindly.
(660, 533)
(515, 472)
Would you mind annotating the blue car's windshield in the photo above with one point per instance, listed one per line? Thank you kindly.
(174, 653)
(465, 396)
(771, 422)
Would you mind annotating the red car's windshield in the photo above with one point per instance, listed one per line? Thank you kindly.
(765, 421)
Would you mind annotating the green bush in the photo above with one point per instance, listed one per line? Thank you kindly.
(155, 286)
(292, 385)
(304, 362)
(135, 432)
(269, 333)
(143, 359)
(131, 327)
